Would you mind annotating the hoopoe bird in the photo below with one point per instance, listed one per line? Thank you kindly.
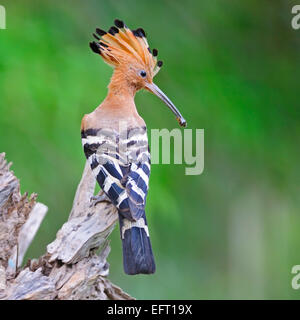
(115, 142)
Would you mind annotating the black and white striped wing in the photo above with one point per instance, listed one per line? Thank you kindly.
(124, 178)
(137, 187)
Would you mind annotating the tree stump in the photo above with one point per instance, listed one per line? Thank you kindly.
(71, 269)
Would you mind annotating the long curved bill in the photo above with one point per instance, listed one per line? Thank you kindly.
(155, 89)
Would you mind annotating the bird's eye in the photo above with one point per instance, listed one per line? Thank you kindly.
(143, 73)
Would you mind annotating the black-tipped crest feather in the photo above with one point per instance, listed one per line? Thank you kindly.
(119, 23)
(101, 32)
(95, 47)
(139, 33)
(113, 30)
(121, 41)
(103, 44)
(95, 36)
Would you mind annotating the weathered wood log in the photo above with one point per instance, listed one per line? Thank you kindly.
(71, 268)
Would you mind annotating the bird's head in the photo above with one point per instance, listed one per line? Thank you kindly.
(129, 53)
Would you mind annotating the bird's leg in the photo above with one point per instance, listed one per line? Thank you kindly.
(100, 197)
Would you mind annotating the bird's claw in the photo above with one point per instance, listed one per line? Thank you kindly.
(98, 198)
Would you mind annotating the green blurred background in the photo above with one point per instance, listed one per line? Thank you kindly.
(232, 68)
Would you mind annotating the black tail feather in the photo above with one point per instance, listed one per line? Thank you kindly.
(137, 251)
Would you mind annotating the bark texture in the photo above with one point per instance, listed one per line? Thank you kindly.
(72, 267)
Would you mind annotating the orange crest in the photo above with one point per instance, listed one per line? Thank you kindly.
(120, 45)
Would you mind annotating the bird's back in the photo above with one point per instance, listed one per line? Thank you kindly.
(116, 145)
(115, 142)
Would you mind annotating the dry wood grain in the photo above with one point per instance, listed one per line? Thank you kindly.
(71, 268)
